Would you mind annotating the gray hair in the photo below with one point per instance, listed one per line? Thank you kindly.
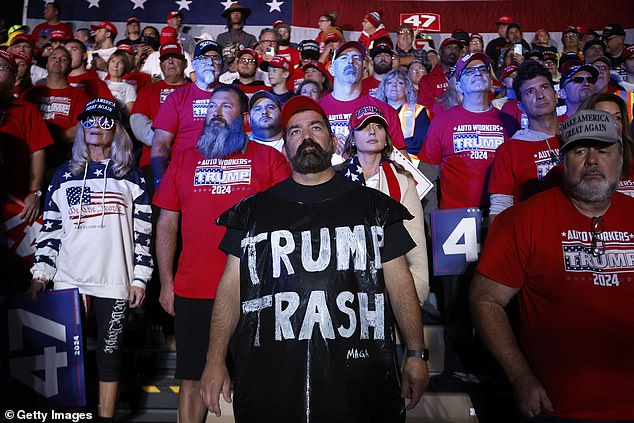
(410, 92)
(121, 156)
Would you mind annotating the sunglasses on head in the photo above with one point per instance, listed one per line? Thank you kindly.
(104, 122)
(582, 79)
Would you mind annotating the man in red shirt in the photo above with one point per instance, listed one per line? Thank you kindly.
(566, 253)
(180, 119)
(247, 65)
(522, 162)
(80, 77)
(381, 54)
(23, 137)
(432, 86)
(347, 67)
(59, 104)
(42, 32)
(200, 183)
(152, 96)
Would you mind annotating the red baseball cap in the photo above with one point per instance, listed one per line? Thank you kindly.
(248, 51)
(276, 62)
(22, 38)
(297, 104)
(332, 36)
(350, 44)
(168, 35)
(450, 40)
(504, 20)
(464, 62)
(317, 65)
(21, 55)
(360, 116)
(9, 58)
(126, 47)
(133, 19)
(508, 70)
(107, 26)
(628, 52)
(173, 14)
(58, 34)
(171, 49)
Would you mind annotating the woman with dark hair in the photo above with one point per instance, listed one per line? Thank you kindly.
(397, 90)
(326, 22)
(368, 148)
(310, 88)
(96, 236)
(616, 106)
(316, 71)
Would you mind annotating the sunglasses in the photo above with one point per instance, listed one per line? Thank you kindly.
(247, 61)
(104, 122)
(582, 79)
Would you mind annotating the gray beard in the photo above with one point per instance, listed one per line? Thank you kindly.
(218, 141)
(589, 192)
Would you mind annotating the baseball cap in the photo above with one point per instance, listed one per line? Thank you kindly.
(464, 62)
(571, 69)
(595, 125)
(126, 47)
(249, 51)
(173, 14)
(168, 35)
(611, 30)
(599, 59)
(281, 24)
(308, 46)
(508, 70)
(132, 19)
(628, 52)
(317, 65)
(171, 50)
(504, 20)
(360, 116)
(570, 28)
(297, 104)
(101, 107)
(16, 29)
(475, 36)
(350, 44)
(21, 55)
(450, 40)
(332, 36)
(58, 34)
(276, 62)
(264, 94)
(379, 48)
(593, 42)
(107, 26)
(22, 38)
(206, 45)
(9, 58)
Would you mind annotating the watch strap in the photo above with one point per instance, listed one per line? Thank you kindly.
(422, 353)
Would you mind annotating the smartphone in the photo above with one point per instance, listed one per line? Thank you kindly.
(270, 51)
(517, 48)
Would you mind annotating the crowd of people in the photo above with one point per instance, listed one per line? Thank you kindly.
(263, 182)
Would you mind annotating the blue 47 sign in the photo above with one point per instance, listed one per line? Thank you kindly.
(456, 239)
(41, 350)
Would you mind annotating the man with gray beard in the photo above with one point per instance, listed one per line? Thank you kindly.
(200, 183)
(569, 254)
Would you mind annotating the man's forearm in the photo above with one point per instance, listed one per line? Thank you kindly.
(404, 302)
(226, 311)
(160, 153)
(36, 171)
(166, 234)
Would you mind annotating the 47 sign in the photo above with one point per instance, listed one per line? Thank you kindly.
(425, 22)
(41, 352)
(456, 239)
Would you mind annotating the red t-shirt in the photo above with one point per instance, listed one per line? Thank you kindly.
(201, 190)
(292, 55)
(511, 106)
(369, 85)
(432, 85)
(22, 132)
(148, 102)
(463, 143)
(520, 166)
(45, 29)
(339, 113)
(576, 309)
(90, 82)
(252, 88)
(183, 114)
(626, 185)
(59, 106)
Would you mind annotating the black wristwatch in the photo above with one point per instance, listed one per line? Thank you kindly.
(424, 353)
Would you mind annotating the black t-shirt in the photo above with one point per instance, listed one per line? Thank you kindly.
(397, 240)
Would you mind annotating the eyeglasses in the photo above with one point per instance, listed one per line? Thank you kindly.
(206, 59)
(405, 32)
(482, 70)
(6, 68)
(270, 42)
(571, 35)
(103, 122)
(582, 79)
(597, 246)
(417, 70)
(602, 68)
(247, 61)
